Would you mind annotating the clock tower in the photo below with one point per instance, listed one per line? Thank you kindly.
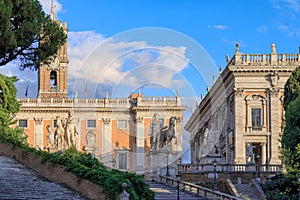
(53, 77)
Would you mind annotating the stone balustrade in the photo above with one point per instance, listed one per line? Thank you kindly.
(101, 102)
(194, 168)
(265, 59)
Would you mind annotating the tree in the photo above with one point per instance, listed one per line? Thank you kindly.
(27, 35)
(291, 138)
(292, 88)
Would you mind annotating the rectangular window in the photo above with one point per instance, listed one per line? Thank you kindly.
(256, 117)
(55, 123)
(122, 124)
(23, 123)
(122, 161)
(91, 124)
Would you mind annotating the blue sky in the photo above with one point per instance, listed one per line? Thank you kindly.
(211, 26)
(161, 46)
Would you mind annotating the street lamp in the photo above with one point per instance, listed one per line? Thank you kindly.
(258, 166)
(178, 175)
(167, 173)
(215, 175)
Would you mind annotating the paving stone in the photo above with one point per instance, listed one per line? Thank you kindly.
(18, 182)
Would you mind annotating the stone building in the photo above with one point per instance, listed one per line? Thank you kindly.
(115, 130)
(241, 119)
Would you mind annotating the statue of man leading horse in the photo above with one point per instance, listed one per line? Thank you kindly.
(162, 136)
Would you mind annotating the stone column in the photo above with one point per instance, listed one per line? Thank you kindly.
(178, 132)
(106, 136)
(38, 132)
(275, 124)
(140, 141)
(239, 126)
(263, 153)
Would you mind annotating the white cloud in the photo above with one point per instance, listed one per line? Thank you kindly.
(293, 5)
(218, 26)
(133, 64)
(262, 29)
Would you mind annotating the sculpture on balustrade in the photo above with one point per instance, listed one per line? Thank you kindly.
(167, 134)
(65, 134)
(71, 132)
(155, 129)
(59, 134)
(50, 139)
(249, 153)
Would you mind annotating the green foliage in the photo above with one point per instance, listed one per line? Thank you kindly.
(291, 138)
(27, 34)
(9, 106)
(281, 187)
(292, 88)
(87, 167)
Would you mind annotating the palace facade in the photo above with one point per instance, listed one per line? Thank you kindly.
(241, 119)
(115, 130)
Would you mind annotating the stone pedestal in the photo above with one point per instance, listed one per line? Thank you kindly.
(159, 161)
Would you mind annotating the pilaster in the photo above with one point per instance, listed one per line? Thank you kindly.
(38, 132)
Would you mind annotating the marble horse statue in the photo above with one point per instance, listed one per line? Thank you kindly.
(168, 133)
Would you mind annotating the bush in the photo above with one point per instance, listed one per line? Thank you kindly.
(85, 166)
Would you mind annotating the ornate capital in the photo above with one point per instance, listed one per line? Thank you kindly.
(239, 92)
(179, 119)
(106, 121)
(38, 121)
(274, 92)
(139, 119)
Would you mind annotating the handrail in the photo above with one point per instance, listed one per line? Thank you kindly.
(196, 189)
(228, 168)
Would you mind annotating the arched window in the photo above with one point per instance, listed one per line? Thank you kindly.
(53, 79)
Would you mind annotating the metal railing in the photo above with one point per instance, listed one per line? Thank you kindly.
(196, 189)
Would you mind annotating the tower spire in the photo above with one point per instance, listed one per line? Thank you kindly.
(52, 15)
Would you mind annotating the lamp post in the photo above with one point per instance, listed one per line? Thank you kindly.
(167, 173)
(258, 166)
(178, 175)
(215, 175)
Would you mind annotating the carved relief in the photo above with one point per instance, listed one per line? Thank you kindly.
(274, 78)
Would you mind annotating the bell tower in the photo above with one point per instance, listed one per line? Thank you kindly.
(53, 77)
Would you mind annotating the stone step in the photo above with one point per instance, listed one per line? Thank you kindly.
(246, 191)
(19, 182)
(165, 192)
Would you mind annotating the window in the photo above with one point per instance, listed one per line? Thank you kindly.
(53, 79)
(23, 123)
(256, 117)
(122, 124)
(122, 161)
(55, 123)
(91, 123)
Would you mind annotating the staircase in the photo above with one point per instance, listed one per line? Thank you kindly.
(164, 192)
(247, 191)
